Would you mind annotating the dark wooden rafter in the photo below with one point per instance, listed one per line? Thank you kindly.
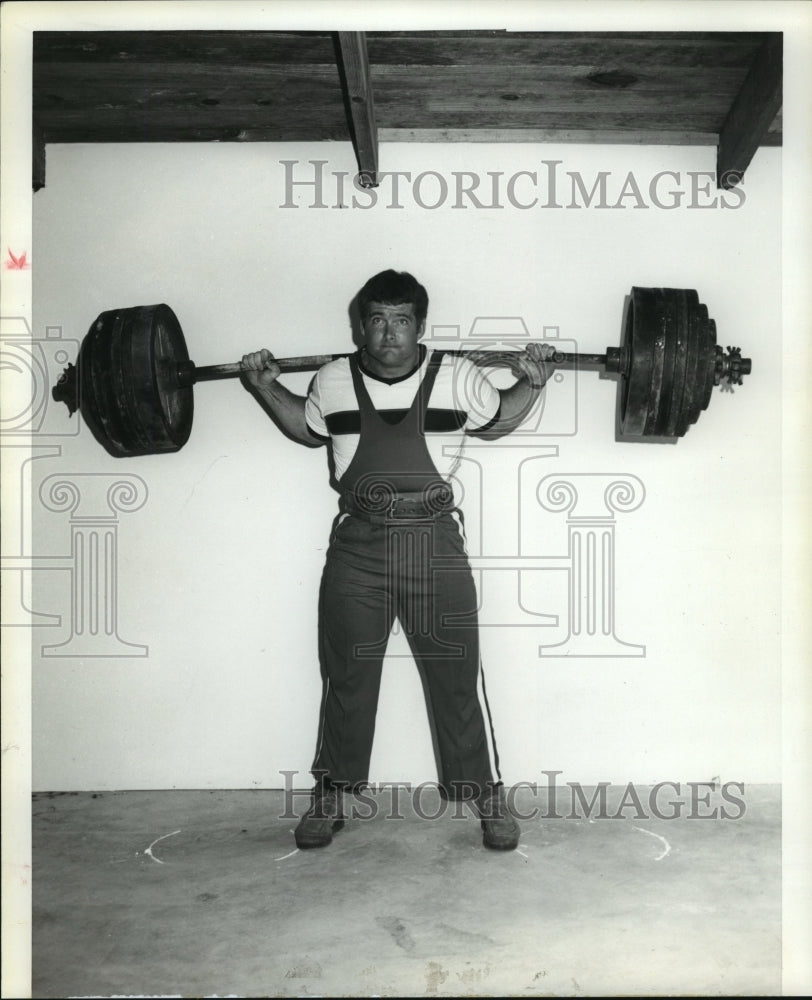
(355, 78)
(37, 157)
(752, 113)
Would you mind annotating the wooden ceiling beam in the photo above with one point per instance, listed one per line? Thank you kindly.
(355, 77)
(752, 112)
(37, 157)
(587, 135)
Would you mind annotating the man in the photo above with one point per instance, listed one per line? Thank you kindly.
(396, 416)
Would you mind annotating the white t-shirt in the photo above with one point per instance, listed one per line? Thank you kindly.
(462, 401)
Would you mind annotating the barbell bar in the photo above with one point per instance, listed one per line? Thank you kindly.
(133, 379)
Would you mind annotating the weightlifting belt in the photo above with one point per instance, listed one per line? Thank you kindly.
(392, 476)
(424, 506)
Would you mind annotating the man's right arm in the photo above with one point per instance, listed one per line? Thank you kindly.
(285, 407)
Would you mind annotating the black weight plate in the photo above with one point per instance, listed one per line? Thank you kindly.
(655, 334)
(169, 348)
(143, 393)
(679, 309)
(663, 375)
(706, 364)
(126, 378)
(710, 379)
(685, 402)
(638, 338)
(100, 406)
(130, 398)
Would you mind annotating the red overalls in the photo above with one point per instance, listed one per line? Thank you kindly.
(414, 567)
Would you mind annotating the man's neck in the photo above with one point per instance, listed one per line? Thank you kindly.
(374, 367)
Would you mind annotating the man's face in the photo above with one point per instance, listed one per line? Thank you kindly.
(391, 335)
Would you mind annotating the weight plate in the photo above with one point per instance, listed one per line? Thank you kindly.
(663, 368)
(144, 396)
(639, 335)
(671, 362)
(127, 377)
(636, 385)
(674, 368)
(706, 364)
(683, 400)
(177, 402)
(710, 381)
(130, 397)
(100, 407)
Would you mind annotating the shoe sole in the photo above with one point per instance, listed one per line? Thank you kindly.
(500, 847)
(306, 845)
(506, 845)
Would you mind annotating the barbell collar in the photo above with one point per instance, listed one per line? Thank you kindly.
(66, 389)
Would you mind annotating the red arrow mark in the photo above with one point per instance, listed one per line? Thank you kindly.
(17, 263)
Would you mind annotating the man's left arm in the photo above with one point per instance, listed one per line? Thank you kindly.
(515, 403)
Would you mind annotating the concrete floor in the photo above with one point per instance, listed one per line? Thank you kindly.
(203, 893)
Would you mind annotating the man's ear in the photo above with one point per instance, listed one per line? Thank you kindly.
(421, 329)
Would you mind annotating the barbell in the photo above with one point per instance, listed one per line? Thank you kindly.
(133, 379)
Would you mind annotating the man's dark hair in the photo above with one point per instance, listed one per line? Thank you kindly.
(394, 288)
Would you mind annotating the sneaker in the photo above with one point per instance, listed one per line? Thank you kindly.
(500, 830)
(322, 819)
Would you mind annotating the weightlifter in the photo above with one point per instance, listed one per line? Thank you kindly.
(396, 416)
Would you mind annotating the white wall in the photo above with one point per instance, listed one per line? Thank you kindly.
(219, 570)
